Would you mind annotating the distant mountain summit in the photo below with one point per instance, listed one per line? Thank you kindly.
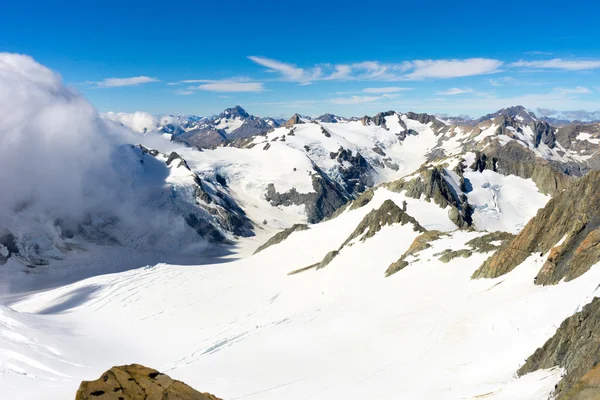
(520, 113)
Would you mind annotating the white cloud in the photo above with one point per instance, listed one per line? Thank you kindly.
(575, 90)
(443, 69)
(389, 89)
(59, 159)
(454, 91)
(229, 86)
(360, 99)
(539, 53)
(289, 71)
(559, 63)
(120, 82)
(375, 70)
(184, 92)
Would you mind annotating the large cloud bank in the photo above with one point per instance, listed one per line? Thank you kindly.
(60, 161)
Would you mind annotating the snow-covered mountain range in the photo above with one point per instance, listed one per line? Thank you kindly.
(399, 255)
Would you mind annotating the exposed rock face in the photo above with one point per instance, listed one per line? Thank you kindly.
(232, 124)
(431, 184)
(514, 159)
(329, 118)
(587, 388)
(281, 236)
(322, 203)
(358, 175)
(295, 120)
(572, 214)
(136, 382)
(379, 119)
(420, 243)
(389, 213)
(223, 212)
(576, 347)
(513, 112)
(423, 118)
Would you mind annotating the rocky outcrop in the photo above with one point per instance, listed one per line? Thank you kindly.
(426, 119)
(213, 197)
(572, 216)
(355, 171)
(514, 159)
(136, 382)
(389, 213)
(420, 243)
(587, 388)
(431, 185)
(575, 347)
(327, 197)
(295, 120)
(281, 236)
(328, 118)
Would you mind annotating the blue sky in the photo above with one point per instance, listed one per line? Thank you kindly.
(348, 58)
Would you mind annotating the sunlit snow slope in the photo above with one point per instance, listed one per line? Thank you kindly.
(247, 328)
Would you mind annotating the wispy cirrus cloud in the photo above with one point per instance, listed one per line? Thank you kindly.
(360, 99)
(375, 70)
(230, 85)
(289, 71)
(575, 90)
(388, 89)
(454, 91)
(559, 63)
(538, 53)
(120, 82)
(444, 69)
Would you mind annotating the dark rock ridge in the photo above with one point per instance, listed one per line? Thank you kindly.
(575, 347)
(281, 236)
(431, 184)
(481, 244)
(327, 197)
(329, 118)
(514, 159)
(388, 214)
(572, 214)
(512, 112)
(136, 382)
(420, 243)
(295, 120)
(356, 177)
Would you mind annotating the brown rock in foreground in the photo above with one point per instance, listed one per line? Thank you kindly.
(575, 347)
(136, 382)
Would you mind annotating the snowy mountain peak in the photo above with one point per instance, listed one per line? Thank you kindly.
(234, 112)
(519, 113)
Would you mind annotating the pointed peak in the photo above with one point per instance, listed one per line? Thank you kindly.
(234, 112)
(519, 113)
(296, 119)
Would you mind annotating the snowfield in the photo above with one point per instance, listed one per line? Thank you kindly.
(75, 302)
(246, 329)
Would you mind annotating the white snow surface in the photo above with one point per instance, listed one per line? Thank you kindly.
(246, 329)
(503, 202)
